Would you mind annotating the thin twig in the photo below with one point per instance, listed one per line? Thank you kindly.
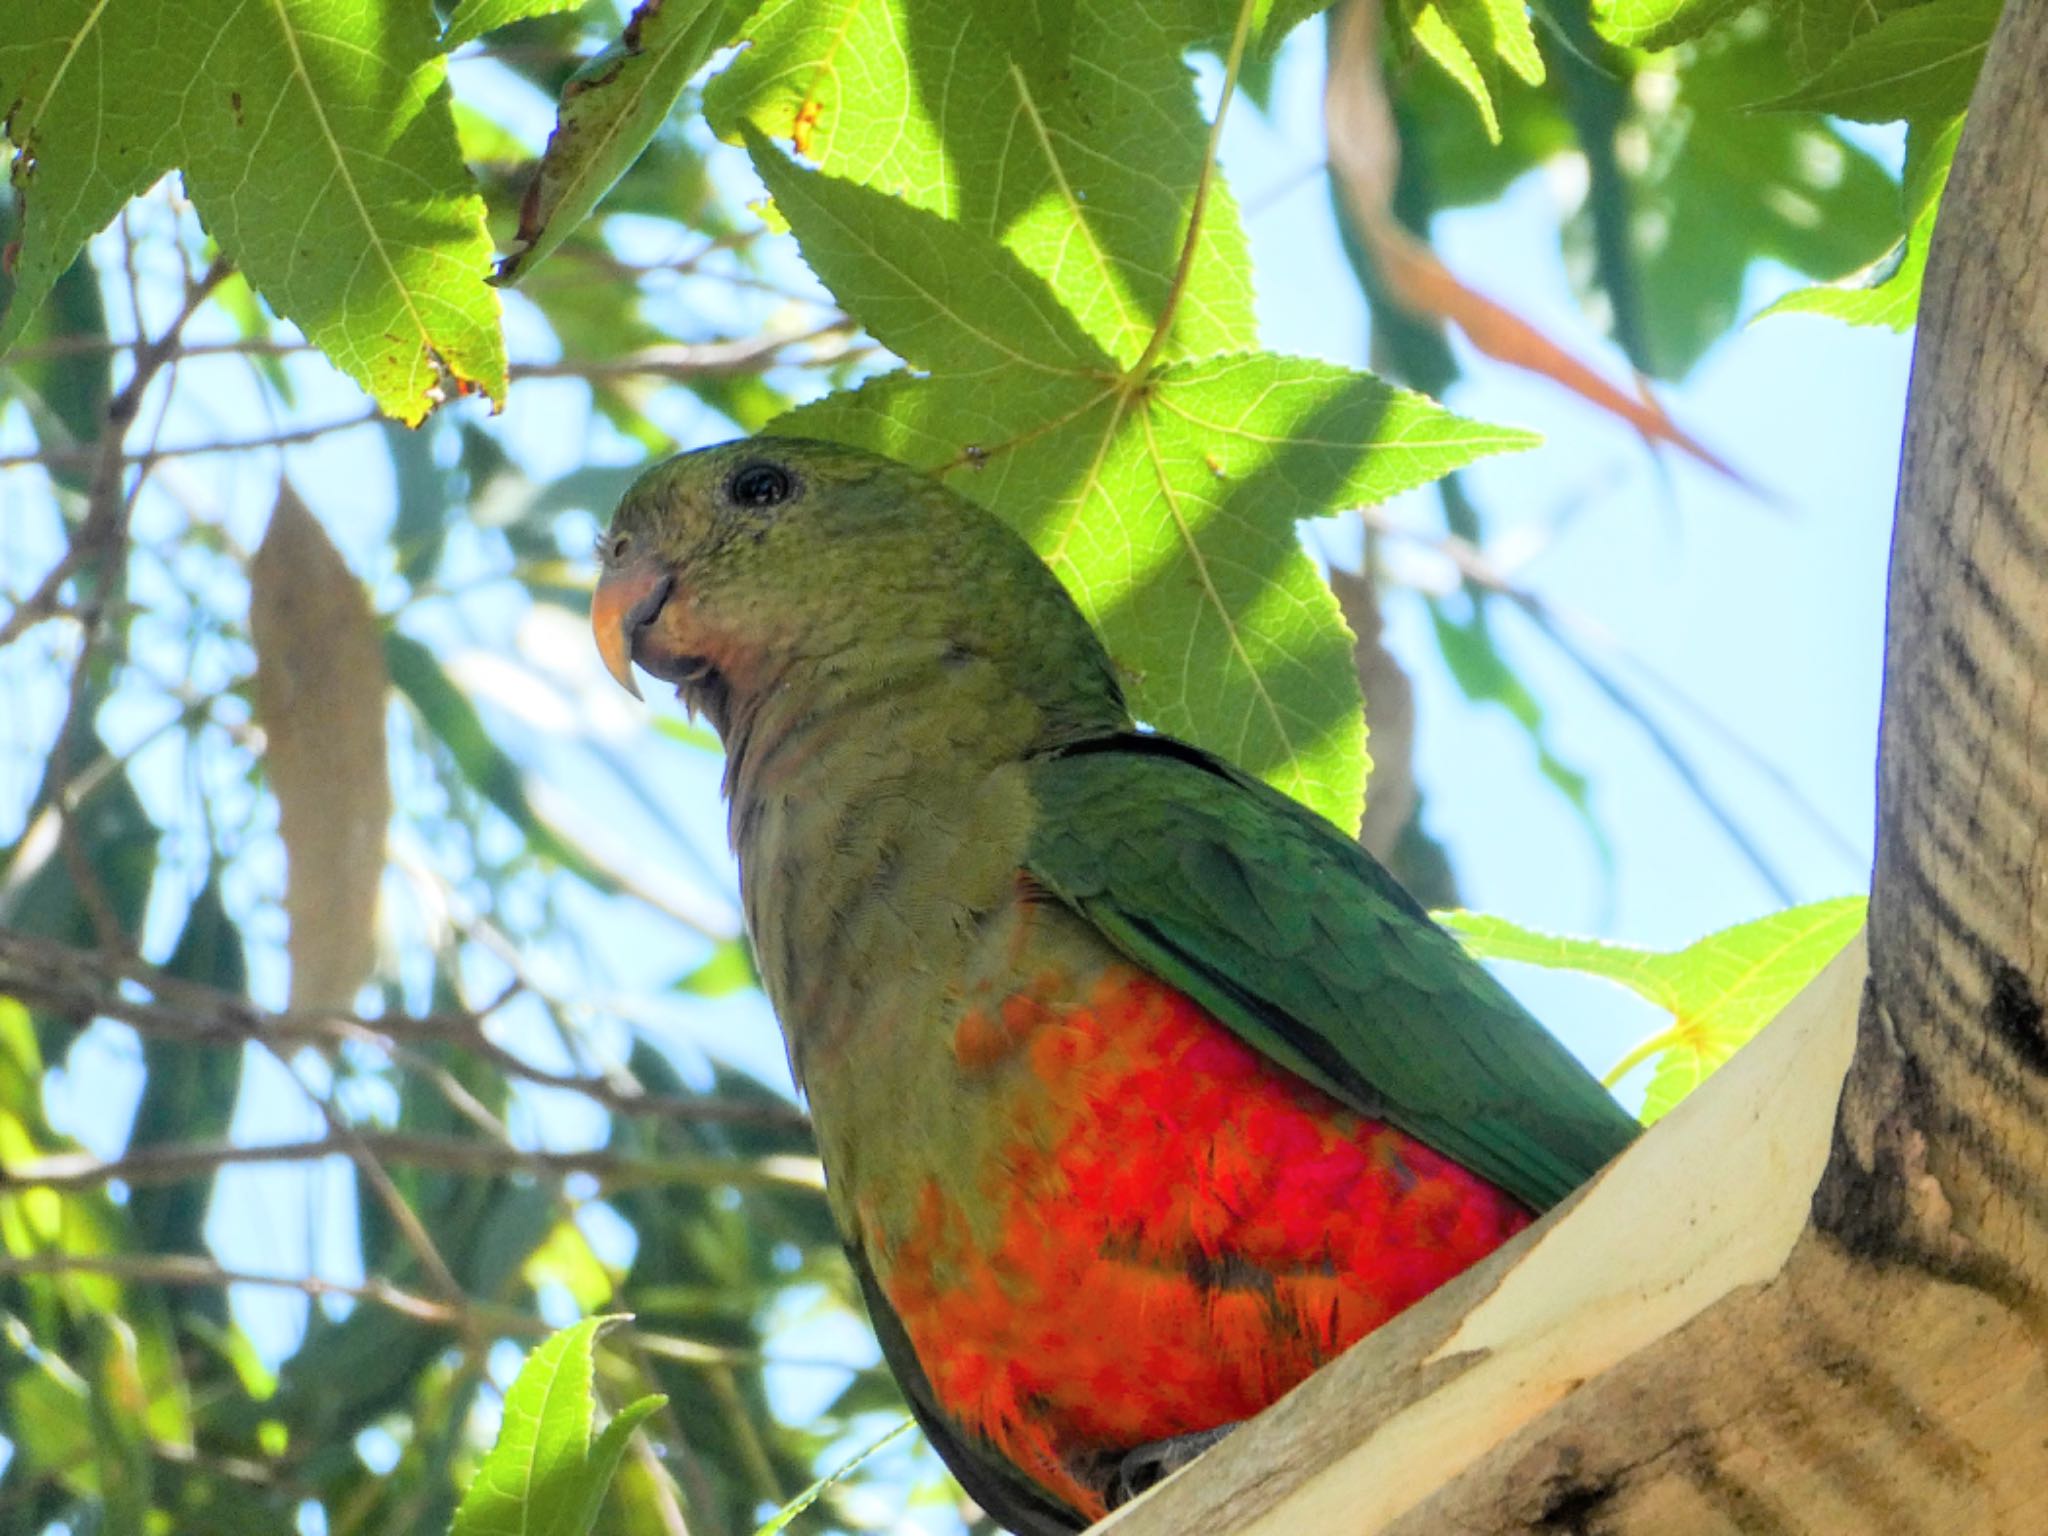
(95, 555)
(189, 1271)
(88, 346)
(174, 1162)
(98, 984)
(692, 360)
(674, 360)
(103, 530)
(371, 1170)
(45, 602)
(66, 458)
(1191, 244)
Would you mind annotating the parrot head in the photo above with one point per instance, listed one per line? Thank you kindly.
(781, 563)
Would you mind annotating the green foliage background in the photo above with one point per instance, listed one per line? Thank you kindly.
(1017, 203)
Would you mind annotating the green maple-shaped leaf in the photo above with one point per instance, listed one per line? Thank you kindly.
(1889, 294)
(610, 110)
(1068, 132)
(473, 18)
(317, 144)
(1470, 40)
(1815, 31)
(1165, 496)
(1920, 63)
(546, 1476)
(1660, 23)
(1719, 991)
(1718, 186)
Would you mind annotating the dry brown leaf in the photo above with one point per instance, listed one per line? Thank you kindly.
(320, 698)
(1364, 160)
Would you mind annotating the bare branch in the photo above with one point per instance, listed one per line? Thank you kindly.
(177, 1269)
(371, 1170)
(73, 458)
(187, 1271)
(172, 1162)
(102, 533)
(99, 984)
(682, 360)
(707, 359)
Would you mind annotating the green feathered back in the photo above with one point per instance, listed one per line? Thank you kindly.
(1305, 947)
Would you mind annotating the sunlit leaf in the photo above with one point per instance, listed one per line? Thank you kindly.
(1719, 990)
(565, 1258)
(1716, 187)
(688, 733)
(1659, 23)
(316, 143)
(1169, 511)
(1471, 40)
(546, 1476)
(1920, 63)
(473, 18)
(1889, 295)
(1072, 137)
(729, 969)
(1815, 31)
(609, 111)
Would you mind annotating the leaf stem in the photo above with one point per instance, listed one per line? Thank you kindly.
(1662, 1041)
(1170, 308)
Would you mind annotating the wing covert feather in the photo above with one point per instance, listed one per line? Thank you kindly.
(1303, 945)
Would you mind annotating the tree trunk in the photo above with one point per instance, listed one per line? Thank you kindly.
(1815, 1299)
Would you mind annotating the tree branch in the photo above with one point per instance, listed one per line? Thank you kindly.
(100, 984)
(173, 1162)
(184, 1270)
(74, 458)
(192, 1272)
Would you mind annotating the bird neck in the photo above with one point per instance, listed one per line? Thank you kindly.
(880, 809)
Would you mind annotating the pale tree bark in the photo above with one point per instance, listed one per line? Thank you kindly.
(1816, 1298)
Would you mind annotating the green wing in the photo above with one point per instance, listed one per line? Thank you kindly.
(1305, 947)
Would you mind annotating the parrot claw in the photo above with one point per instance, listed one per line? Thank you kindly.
(1145, 1467)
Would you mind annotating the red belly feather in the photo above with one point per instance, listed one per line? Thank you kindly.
(1193, 1232)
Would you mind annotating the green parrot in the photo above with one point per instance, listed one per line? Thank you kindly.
(1142, 1091)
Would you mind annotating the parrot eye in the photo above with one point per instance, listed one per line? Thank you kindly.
(760, 485)
(612, 547)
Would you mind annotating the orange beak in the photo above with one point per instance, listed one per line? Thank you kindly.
(624, 603)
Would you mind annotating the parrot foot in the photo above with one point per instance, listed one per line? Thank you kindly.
(1148, 1465)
